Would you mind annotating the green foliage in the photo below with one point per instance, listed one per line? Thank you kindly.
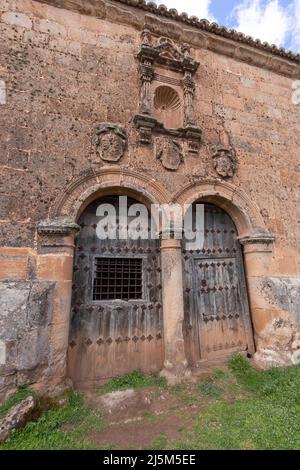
(279, 384)
(160, 442)
(17, 397)
(220, 374)
(61, 429)
(135, 379)
(150, 416)
(255, 424)
(210, 390)
(267, 418)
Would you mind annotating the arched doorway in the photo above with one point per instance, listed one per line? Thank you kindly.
(216, 318)
(116, 319)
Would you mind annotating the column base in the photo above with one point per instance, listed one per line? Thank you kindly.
(176, 374)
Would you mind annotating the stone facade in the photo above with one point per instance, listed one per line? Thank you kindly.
(86, 88)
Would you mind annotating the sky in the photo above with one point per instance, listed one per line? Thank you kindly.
(274, 21)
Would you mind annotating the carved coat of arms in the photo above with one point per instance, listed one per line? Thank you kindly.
(224, 161)
(110, 141)
(170, 153)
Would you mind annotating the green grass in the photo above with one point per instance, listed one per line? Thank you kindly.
(135, 380)
(210, 390)
(61, 429)
(17, 397)
(268, 417)
(160, 442)
(236, 408)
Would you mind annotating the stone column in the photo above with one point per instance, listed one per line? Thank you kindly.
(175, 364)
(259, 268)
(146, 73)
(55, 263)
(189, 90)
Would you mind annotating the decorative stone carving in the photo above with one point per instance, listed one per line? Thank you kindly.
(162, 51)
(110, 141)
(224, 160)
(166, 98)
(170, 153)
(199, 173)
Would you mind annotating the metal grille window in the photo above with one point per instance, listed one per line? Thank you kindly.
(118, 278)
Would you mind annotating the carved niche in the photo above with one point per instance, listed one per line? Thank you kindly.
(224, 161)
(110, 141)
(169, 152)
(167, 91)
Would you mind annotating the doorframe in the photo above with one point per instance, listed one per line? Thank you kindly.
(256, 240)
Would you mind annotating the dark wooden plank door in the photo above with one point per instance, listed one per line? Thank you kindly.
(217, 319)
(110, 334)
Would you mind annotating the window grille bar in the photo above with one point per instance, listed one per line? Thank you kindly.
(117, 278)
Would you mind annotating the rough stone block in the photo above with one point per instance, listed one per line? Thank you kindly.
(16, 417)
(17, 19)
(50, 27)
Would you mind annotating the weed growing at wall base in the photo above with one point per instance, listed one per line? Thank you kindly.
(135, 380)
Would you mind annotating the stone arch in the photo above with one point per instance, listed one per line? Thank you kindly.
(94, 184)
(243, 211)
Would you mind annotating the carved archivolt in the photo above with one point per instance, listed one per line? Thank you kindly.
(105, 181)
(243, 211)
(80, 193)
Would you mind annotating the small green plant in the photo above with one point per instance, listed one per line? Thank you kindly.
(135, 379)
(160, 442)
(149, 416)
(210, 390)
(17, 397)
(220, 374)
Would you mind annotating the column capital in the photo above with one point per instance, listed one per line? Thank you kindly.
(170, 244)
(172, 234)
(57, 226)
(56, 235)
(259, 240)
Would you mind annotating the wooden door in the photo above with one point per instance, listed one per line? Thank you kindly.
(217, 319)
(116, 322)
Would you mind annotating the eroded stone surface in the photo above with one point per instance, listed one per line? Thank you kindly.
(278, 342)
(16, 417)
(26, 311)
